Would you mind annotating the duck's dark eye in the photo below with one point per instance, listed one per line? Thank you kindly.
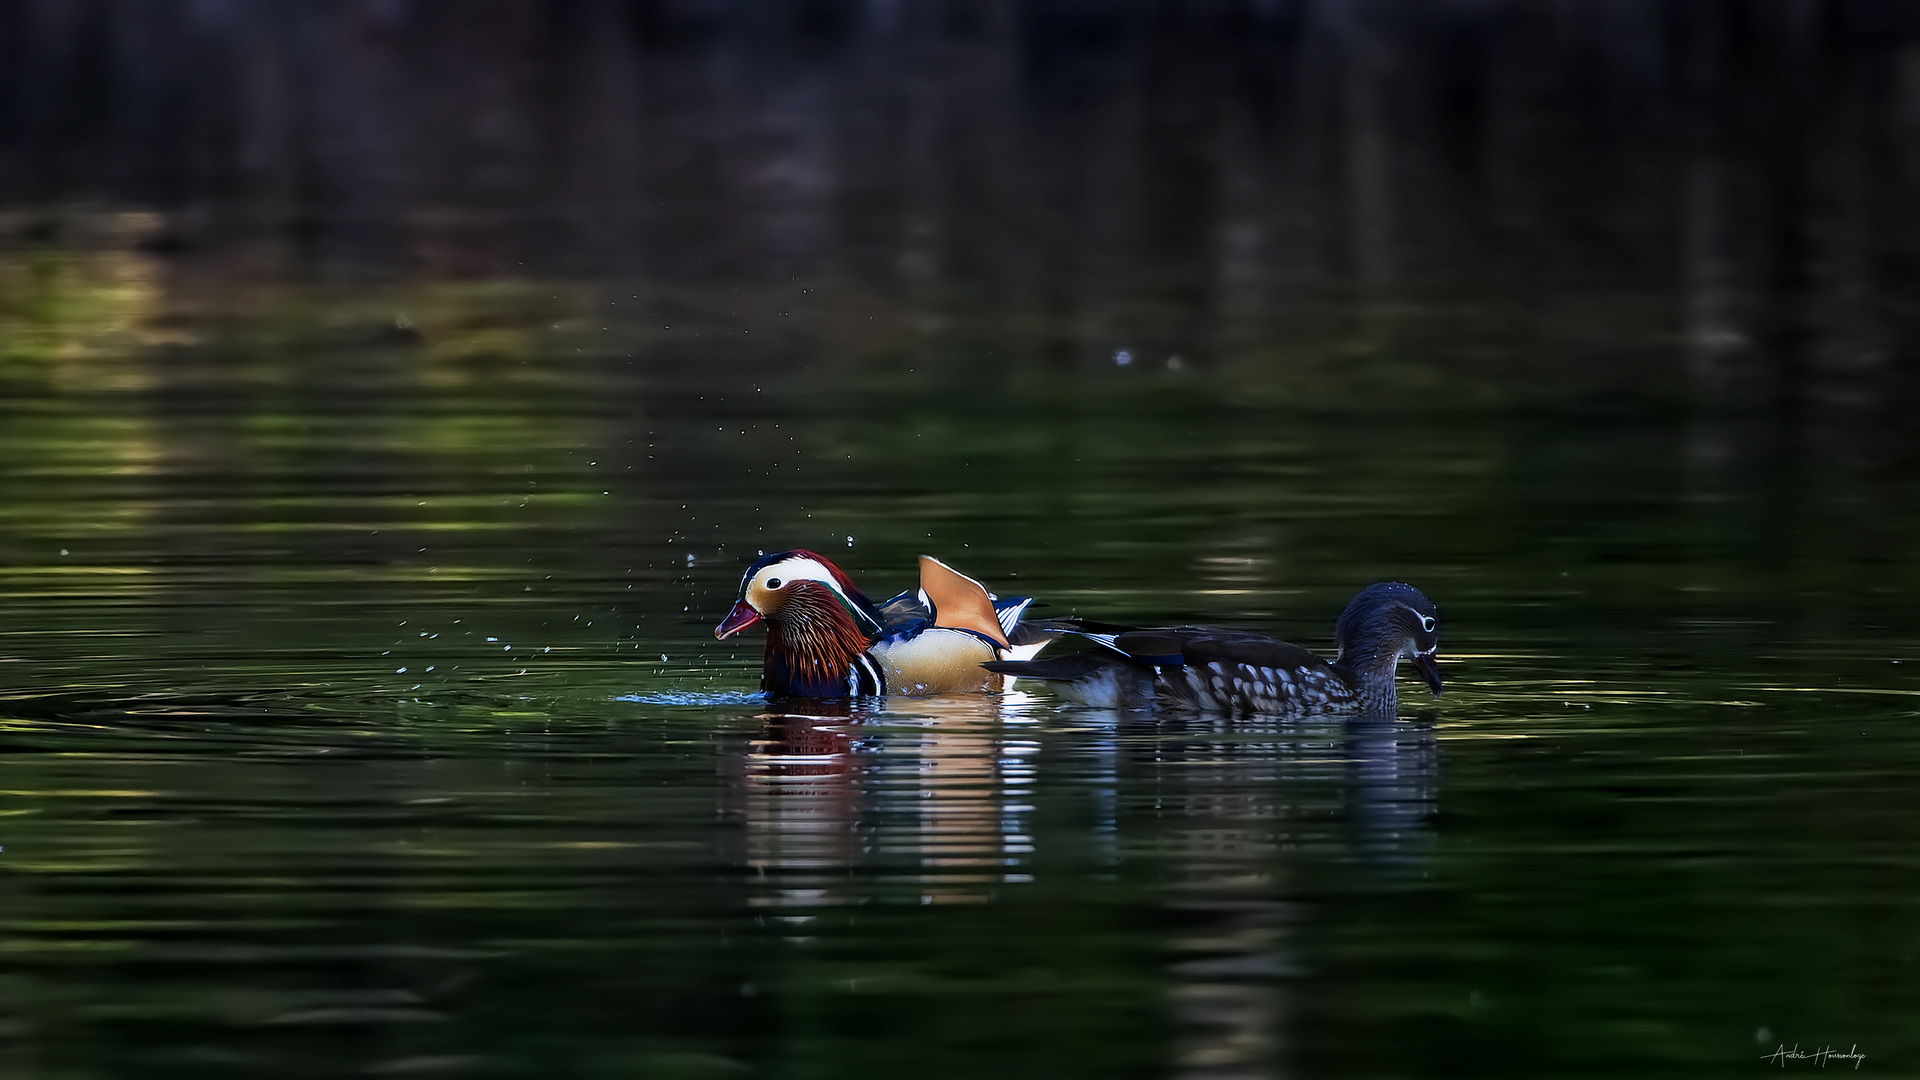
(1426, 623)
(773, 583)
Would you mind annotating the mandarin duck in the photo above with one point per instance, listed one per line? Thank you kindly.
(825, 639)
(1213, 670)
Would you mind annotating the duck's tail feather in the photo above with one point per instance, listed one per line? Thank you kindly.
(1091, 677)
(1054, 668)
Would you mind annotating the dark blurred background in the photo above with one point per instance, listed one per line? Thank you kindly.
(1544, 217)
(1754, 163)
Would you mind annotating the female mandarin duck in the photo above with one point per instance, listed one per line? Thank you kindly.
(1238, 671)
(825, 639)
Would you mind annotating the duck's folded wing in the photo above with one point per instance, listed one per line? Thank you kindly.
(903, 612)
(1173, 646)
(1249, 650)
(1158, 646)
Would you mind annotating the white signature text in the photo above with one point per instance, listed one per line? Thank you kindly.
(1823, 1055)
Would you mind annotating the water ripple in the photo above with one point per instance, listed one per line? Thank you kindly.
(705, 699)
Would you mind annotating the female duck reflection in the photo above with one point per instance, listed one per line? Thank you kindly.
(1241, 809)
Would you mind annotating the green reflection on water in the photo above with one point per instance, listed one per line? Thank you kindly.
(357, 641)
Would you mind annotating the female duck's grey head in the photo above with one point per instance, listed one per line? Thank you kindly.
(1385, 622)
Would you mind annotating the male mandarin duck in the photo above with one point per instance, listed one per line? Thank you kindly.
(825, 639)
(1239, 671)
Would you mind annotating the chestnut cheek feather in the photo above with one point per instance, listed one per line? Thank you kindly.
(813, 642)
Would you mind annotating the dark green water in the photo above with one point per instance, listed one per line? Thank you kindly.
(361, 713)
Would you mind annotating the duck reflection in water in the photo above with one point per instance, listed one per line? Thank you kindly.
(800, 796)
(932, 801)
(1245, 809)
(928, 803)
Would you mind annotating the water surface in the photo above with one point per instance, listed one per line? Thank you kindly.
(362, 715)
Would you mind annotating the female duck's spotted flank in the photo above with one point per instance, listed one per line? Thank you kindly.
(1238, 671)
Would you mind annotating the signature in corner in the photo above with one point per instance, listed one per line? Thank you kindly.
(1823, 1055)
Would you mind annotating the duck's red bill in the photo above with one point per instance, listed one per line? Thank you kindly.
(1429, 671)
(741, 617)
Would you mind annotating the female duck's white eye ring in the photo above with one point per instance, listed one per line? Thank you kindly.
(773, 583)
(1426, 623)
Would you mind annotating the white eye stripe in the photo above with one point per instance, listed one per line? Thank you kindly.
(799, 570)
(1427, 622)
